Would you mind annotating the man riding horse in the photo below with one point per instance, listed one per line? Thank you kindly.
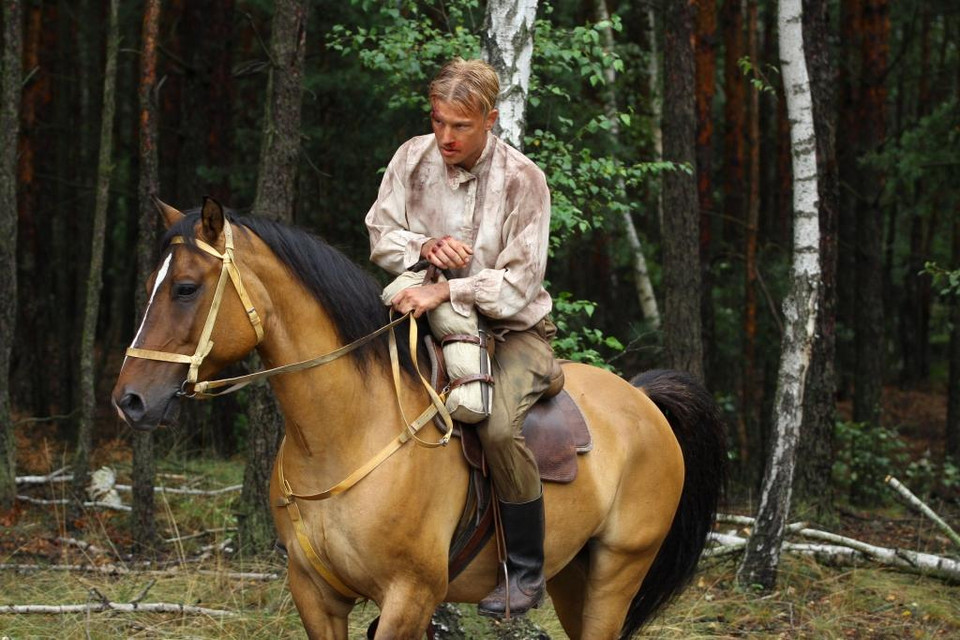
(478, 209)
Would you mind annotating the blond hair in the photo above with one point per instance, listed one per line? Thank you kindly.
(470, 84)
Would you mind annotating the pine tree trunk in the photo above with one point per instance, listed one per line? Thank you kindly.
(751, 390)
(848, 136)
(706, 88)
(734, 163)
(735, 112)
(10, 72)
(81, 459)
(762, 556)
(645, 295)
(508, 47)
(143, 520)
(870, 318)
(275, 199)
(30, 385)
(815, 457)
(681, 238)
(952, 435)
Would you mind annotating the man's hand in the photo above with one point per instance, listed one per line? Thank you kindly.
(446, 252)
(420, 299)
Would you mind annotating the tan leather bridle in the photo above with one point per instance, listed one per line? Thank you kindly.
(205, 344)
(202, 390)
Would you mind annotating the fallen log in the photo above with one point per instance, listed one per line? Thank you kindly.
(99, 505)
(841, 550)
(912, 561)
(120, 570)
(916, 503)
(125, 607)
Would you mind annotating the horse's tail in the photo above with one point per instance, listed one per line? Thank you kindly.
(695, 419)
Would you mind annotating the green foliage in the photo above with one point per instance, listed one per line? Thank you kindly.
(948, 281)
(758, 75)
(408, 42)
(576, 341)
(925, 474)
(927, 152)
(865, 455)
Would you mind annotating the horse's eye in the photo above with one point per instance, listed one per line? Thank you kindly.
(185, 289)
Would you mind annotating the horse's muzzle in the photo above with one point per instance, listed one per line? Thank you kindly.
(145, 413)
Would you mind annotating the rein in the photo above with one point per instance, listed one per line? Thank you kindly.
(203, 390)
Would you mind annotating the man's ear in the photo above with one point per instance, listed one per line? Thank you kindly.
(170, 215)
(491, 119)
(211, 217)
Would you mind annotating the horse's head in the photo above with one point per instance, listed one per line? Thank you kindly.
(200, 317)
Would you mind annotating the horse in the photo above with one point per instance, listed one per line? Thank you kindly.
(621, 540)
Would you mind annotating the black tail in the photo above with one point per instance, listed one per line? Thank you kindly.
(695, 420)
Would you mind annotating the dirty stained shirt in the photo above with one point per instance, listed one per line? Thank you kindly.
(501, 208)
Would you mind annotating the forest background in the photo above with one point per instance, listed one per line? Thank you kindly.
(886, 83)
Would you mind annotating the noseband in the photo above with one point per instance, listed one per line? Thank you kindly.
(202, 390)
(205, 344)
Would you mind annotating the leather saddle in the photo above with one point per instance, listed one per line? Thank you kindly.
(554, 430)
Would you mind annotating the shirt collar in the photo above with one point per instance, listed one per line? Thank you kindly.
(457, 175)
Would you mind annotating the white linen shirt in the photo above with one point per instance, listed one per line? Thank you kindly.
(501, 208)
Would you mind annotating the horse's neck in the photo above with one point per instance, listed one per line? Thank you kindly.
(336, 415)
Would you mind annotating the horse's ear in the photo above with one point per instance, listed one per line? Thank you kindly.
(170, 215)
(211, 217)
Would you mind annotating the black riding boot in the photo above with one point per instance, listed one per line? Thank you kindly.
(523, 530)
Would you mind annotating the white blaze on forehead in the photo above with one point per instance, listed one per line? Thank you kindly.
(161, 276)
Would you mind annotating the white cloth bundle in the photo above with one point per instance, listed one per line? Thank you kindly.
(469, 402)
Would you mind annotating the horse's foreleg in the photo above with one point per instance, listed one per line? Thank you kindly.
(405, 612)
(324, 616)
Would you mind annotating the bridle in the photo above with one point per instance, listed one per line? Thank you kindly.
(202, 390)
(229, 271)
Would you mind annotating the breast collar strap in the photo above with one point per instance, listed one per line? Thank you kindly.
(205, 344)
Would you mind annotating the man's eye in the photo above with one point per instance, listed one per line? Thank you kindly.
(185, 289)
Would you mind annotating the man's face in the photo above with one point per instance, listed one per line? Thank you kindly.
(461, 134)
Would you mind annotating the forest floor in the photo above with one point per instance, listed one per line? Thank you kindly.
(811, 601)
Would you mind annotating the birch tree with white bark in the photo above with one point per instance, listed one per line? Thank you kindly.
(508, 48)
(761, 560)
(645, 295)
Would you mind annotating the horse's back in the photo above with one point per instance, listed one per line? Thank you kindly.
(635, 457)
(627, 485)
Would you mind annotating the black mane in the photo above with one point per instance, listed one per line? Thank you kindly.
(349, 295)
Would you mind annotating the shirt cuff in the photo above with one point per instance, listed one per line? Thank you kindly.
(411, 254)
(462, 295)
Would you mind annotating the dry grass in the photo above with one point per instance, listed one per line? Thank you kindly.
(812, 601)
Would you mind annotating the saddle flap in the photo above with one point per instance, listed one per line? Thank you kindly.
(555, 432)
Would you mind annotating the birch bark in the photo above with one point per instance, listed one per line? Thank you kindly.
(508, 48)
(645, 295)
(762, 557)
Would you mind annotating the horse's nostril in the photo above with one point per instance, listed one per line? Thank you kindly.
(131, 404)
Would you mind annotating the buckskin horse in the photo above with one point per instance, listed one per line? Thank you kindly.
(621, 540)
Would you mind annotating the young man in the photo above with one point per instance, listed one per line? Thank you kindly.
(479, 209)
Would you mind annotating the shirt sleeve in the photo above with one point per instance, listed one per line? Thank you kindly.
(517, 278)
(393, 247)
